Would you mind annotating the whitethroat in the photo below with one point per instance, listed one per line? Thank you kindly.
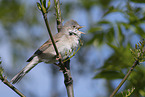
(66, 41)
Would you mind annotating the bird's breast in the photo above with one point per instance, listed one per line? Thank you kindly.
(74, 41)
(68, 45)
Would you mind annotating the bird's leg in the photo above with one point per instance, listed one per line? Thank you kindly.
(58, 57)
(58, 66)
(61, 64)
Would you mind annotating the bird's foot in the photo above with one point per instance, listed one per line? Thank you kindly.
(62, 68)
(58, 57)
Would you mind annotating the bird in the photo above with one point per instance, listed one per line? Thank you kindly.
(66, 41)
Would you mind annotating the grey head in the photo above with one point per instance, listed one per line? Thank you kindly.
(73, 27)
(72, 24)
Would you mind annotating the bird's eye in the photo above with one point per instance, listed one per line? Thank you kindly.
(74, 26)
(70, 33)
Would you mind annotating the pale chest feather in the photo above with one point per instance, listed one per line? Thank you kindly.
(68, 46)
(74, 40)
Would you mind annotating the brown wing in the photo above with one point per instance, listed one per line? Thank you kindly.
(46, 45)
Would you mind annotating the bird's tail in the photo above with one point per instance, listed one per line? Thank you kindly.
(25, 70)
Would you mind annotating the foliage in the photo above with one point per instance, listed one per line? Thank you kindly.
(126, 93)
(9, 9)
(43, 6)
(139, 51)
(109, 75)
(138, 1)
(104, 31)
(120, 60)
(136, 80)
(117, 35)
(0, 60)
(1, 69)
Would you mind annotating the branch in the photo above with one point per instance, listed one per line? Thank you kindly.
(44, 9)
(66, 66)
(58, 14)
(50, 34)
(139, 55)
(5, 81)
(68, 79)
(125, 78)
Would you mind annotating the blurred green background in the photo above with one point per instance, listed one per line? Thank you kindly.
(112, 28)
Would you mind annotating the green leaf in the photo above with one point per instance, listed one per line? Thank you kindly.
(121, 36)
(87, 4)
(138, 1)
(103, 32)
(110, 35)
(1, 70)
(44, 3)
(43, 6)
(137, 80)
(112, 46)
(0, 60)
(41, 2)
(38, 6)
(43, 9)
(139, 31)
(97, 39)
(111, 10)
(94, 29)
(127, 26)
(142, 93)
(104, 22)
(120, 59)
(48, 5)
(110, 75)
(129, 7)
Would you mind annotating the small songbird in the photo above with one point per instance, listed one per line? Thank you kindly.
(66, 41)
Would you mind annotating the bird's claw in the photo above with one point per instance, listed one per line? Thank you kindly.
(58, 57)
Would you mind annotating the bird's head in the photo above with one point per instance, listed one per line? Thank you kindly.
(73, 27)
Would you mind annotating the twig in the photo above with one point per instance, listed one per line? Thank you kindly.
(67, 76)
(44, 9)
(68, 80)
(125, 78)
(66, 66)
(5, 81)
(58, 14)
(50, 34)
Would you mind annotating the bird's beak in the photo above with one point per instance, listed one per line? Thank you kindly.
(81, 32)
(80, 27)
